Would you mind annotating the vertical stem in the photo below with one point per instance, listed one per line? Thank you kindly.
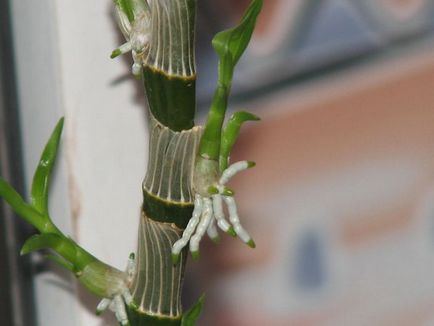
(158, 283)
(169, 71)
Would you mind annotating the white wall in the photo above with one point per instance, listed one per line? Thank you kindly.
(62, 53)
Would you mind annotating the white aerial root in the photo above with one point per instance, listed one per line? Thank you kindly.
(208, 211)
(201, 228)
(122, 297)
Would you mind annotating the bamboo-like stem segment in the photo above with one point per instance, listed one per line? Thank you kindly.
(171, 163)
(168, 204)
(168, 185)
(171, 48)
(168, 66)
(156, 288)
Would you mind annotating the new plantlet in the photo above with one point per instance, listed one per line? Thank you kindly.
(189, 166)
(211, 172)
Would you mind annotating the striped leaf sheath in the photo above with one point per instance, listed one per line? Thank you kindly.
(169, 80)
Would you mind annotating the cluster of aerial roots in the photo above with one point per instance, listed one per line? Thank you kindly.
(208, 211)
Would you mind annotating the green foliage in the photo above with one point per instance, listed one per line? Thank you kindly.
(41, 179)
(37, 212)
(230, 135)
(71, 255)
(41, 241)
(192, 315)
(229, 45)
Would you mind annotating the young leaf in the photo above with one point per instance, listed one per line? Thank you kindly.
(235, 40)
(192, 315)
(230, 135)
(229, 45)
(41, 241)
(41, 178)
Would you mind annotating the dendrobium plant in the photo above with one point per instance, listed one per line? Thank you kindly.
(189, 167)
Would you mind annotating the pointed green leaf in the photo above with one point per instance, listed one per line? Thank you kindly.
(41, 241)
(229, 45)
(230, 135)
(41, 178)
(192, 315)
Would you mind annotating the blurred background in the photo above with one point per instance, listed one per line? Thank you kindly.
(341, 203)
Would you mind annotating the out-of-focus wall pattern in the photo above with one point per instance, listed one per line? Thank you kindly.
(341, 203)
